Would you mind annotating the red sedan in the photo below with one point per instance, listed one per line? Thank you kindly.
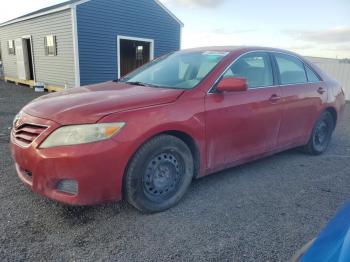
(182, 116)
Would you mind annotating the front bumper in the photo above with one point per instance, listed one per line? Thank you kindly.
(98, 168)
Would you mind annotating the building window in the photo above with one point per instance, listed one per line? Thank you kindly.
(139, 52)
(50, 45)
(11, 47)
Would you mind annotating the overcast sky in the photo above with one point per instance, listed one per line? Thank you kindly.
(309, 27)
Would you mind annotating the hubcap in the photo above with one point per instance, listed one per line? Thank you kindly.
(162, 175)
(322, 135)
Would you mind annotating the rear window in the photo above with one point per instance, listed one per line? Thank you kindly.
(291, 69)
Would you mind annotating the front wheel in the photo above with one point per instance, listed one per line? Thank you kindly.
(159, 174)
(321, 134)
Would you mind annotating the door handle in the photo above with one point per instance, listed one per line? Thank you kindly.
(321, 91)
(274, 98)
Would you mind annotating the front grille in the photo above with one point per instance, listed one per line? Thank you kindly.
(26, 133)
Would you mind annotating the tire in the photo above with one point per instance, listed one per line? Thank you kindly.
(159, 174)
(321, 135)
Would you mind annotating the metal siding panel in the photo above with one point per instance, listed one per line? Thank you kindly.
(53, 70)
(99, 23)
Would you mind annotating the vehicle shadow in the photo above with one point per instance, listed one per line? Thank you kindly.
(82, 215)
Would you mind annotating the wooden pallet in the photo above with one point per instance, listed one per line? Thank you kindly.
(53, 88)
(31, 84)
(16, 81)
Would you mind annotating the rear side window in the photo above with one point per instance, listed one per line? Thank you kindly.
(255, 67)
(291, 69)
(311, 75)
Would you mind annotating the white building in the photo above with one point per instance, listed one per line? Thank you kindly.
(336, 68)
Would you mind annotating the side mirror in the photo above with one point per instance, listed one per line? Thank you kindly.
(232, 84)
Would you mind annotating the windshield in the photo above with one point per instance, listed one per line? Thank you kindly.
(182, 70)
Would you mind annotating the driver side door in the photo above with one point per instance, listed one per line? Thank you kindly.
(243, 125)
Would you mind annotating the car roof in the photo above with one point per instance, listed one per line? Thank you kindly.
(240, 49)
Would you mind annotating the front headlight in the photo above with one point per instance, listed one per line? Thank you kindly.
(82, 134)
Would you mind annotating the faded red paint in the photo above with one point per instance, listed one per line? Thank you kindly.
(229, 128)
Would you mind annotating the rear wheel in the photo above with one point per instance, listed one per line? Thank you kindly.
(159, 174)
(321, 135)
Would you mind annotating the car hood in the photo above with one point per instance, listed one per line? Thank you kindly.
(88, 104)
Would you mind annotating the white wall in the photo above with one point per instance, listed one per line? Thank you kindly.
(339, 71)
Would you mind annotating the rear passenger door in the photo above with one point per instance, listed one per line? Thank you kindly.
(303, 94)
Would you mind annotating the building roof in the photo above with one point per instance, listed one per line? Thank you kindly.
(43, 10)
(69, 4)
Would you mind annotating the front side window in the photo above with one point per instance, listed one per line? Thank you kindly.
(255, 68)
(11, 47)
(291, 69)
(180, 70)
(50, 45)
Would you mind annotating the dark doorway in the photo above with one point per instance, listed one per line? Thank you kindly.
(30, 58)
(133, 54)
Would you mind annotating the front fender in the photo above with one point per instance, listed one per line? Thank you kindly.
(145, 123)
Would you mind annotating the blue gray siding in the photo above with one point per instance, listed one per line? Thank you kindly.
(52, 70)
(101, 21)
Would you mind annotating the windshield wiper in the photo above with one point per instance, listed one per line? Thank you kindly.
(138, 83)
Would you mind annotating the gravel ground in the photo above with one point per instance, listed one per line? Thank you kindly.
(263, 211)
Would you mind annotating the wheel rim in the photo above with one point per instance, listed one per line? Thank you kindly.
(322, 134)
(163, 176)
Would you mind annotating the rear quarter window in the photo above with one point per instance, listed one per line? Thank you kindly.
(311, 75)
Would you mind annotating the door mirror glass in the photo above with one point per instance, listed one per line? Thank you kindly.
(232, 84)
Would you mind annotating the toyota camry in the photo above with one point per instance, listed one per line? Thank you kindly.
(188, 114)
